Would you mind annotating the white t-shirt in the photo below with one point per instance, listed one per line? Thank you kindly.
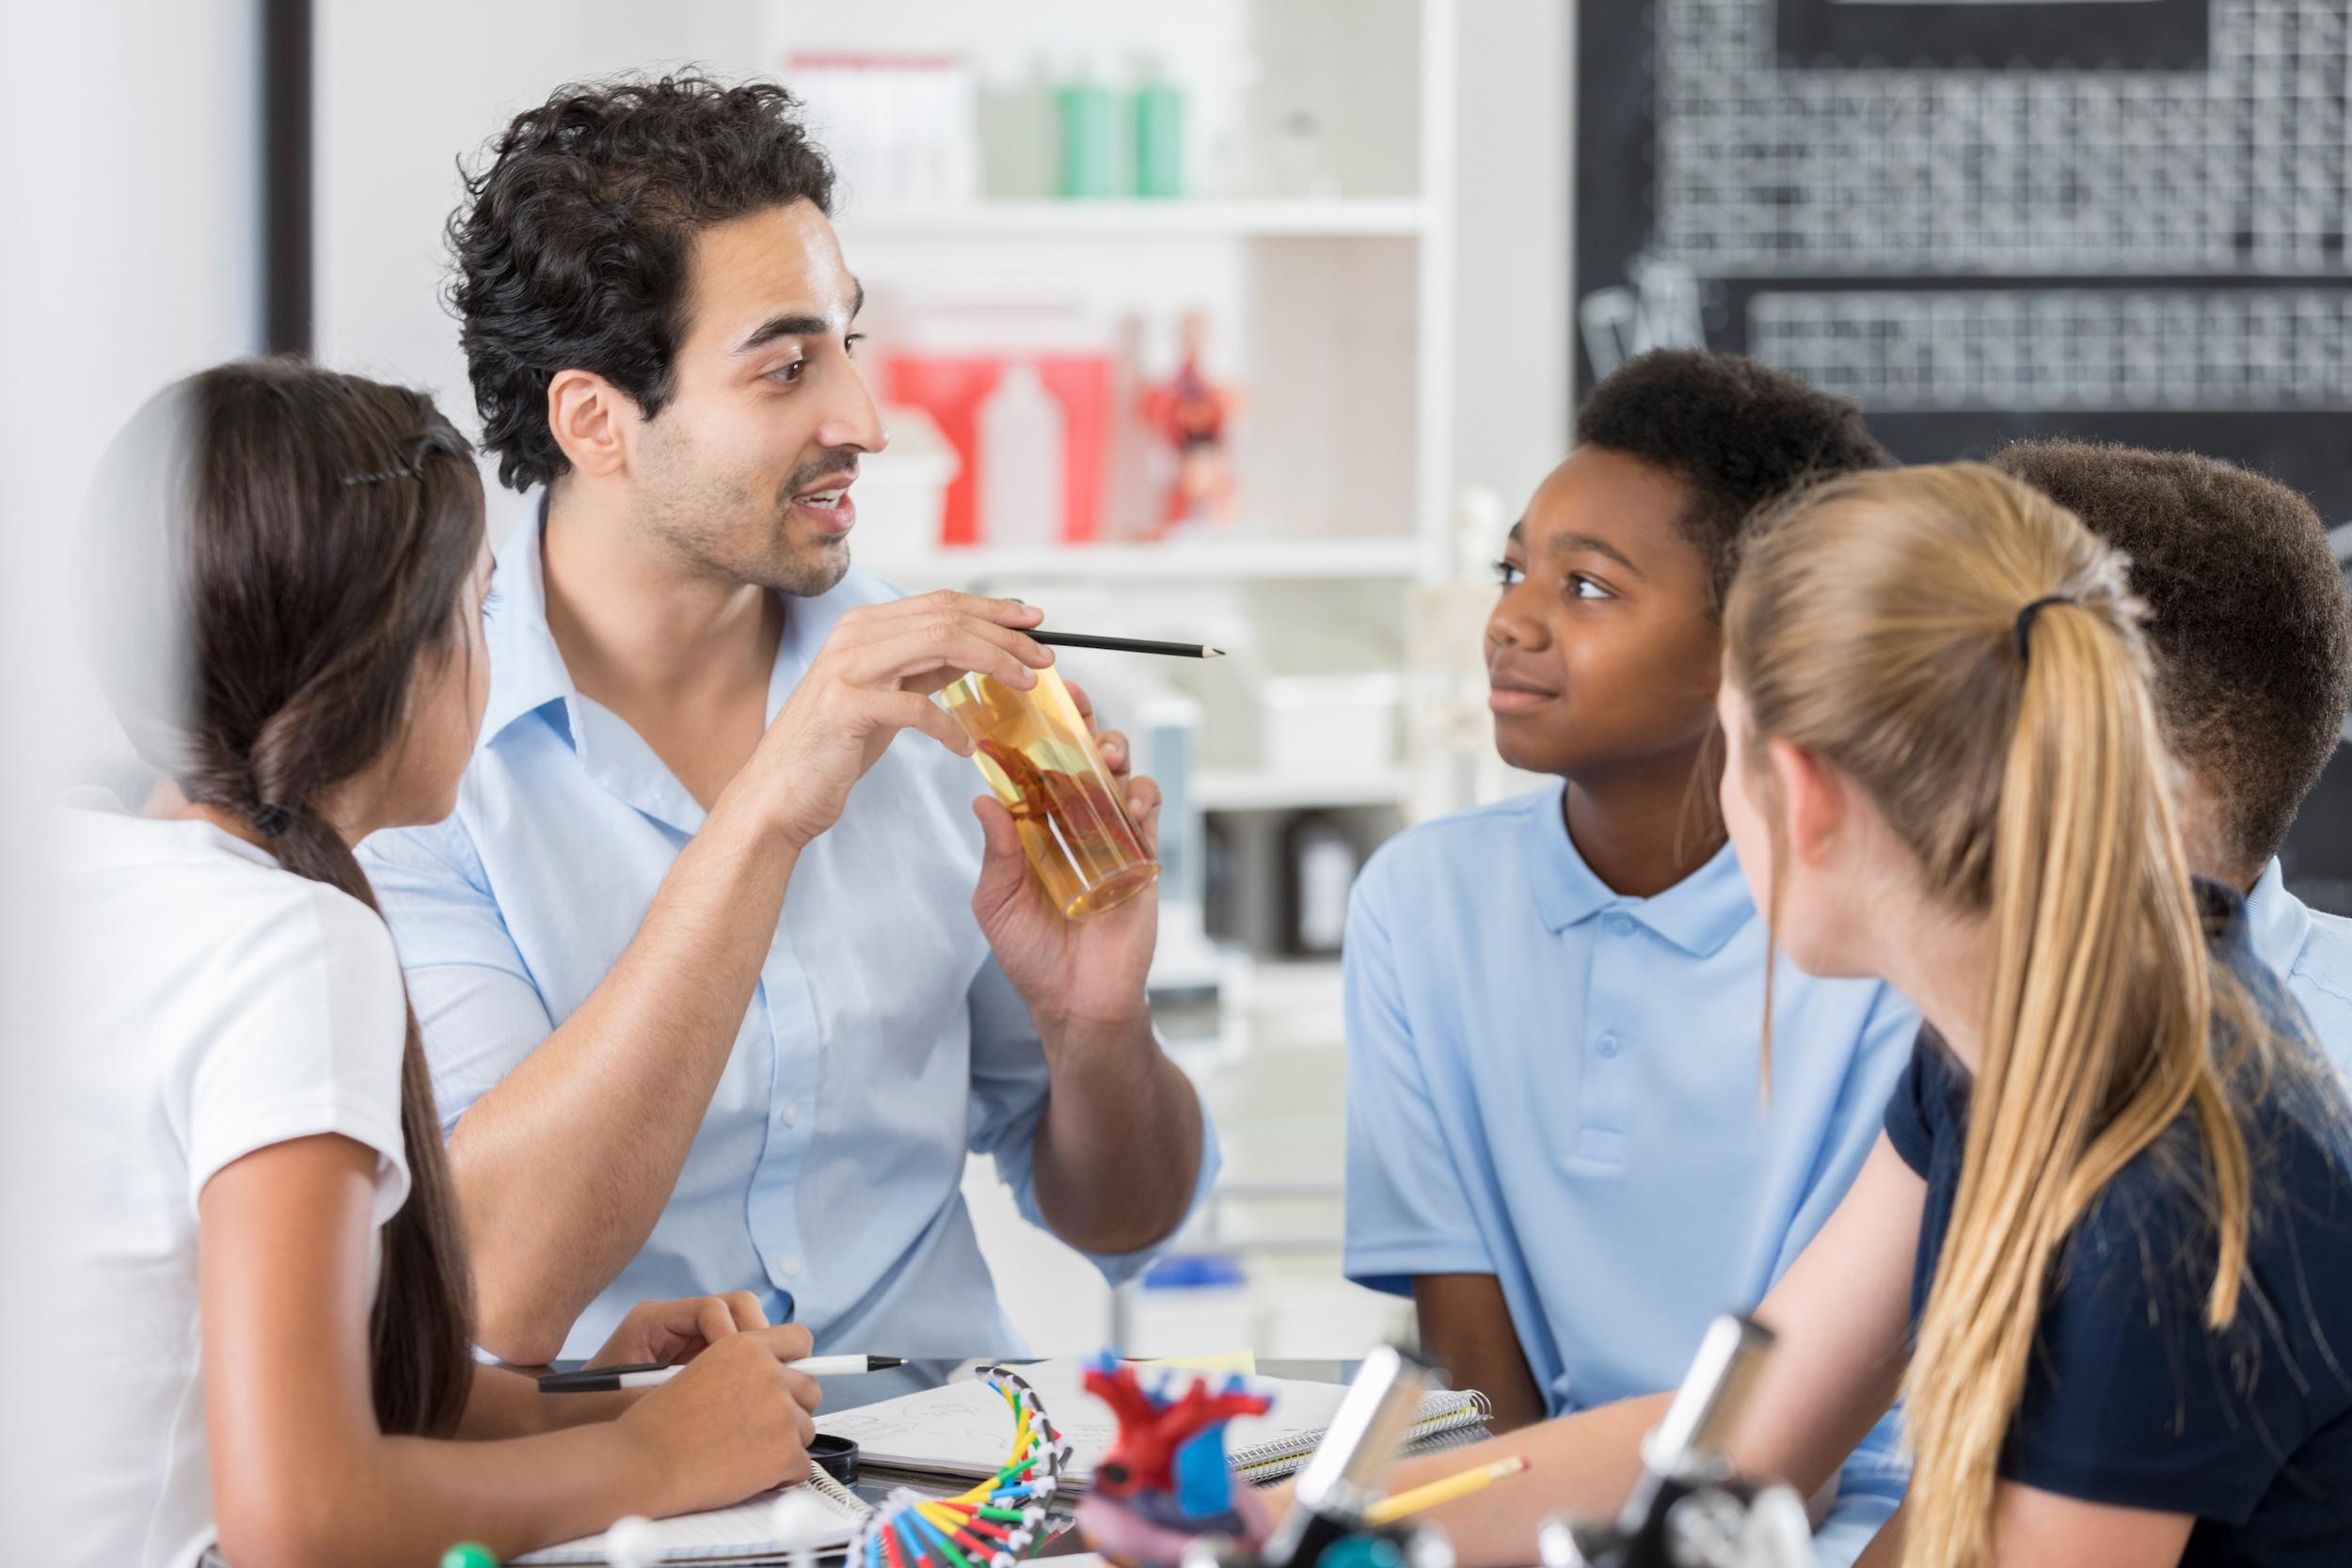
(216, 1004)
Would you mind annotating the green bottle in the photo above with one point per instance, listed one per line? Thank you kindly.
(1089, 138)
(1159, 140)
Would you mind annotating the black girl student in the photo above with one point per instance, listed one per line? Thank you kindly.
(266, 1299)
(1556, 1138)
(2104, 1249)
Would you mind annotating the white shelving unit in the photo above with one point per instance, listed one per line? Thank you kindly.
(1334, 314)
(1332, 310)
(1338, 217)
(1238, 557)
(1259, 790)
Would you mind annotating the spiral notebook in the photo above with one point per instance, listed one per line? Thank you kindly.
(743, 1534)
(961, 1430)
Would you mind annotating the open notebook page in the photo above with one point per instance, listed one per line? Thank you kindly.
(743, 1532)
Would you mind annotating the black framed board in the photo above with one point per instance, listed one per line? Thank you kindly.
(2121, 218)
(1990, 219)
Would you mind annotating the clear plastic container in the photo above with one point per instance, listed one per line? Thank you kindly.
(1039, 758)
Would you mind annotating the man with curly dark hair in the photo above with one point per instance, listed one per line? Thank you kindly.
(2252, 633)
(1555, 1143)
(720, 979)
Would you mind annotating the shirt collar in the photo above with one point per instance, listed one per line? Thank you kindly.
(2279, 920)
(526, 669)
(1697, 915)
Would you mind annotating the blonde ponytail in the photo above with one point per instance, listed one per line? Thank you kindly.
(1883, 623)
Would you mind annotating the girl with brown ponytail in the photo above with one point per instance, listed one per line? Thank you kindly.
(2103, 1251)
(283, 575)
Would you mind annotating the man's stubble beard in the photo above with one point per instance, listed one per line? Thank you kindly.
(799, 572)
(806, 573)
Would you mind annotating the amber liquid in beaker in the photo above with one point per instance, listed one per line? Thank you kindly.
(1037, 755)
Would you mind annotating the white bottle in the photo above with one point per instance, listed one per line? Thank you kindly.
(1021, 441)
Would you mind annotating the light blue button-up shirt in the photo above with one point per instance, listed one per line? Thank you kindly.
(1562, 1087)
(881, 1043)
(2311, 951)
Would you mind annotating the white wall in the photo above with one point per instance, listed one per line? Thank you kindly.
(129, 170)
(133, 201)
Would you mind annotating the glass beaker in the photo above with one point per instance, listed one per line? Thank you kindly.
(1039, 758)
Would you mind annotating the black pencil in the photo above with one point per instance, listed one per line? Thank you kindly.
(1126, 645)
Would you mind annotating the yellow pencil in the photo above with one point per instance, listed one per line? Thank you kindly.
(1388, 1511)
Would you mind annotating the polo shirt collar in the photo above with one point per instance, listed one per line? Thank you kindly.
(1698, 914)
(2279, 920)
(526, 669)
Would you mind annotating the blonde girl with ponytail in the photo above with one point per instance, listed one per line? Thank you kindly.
(2103, 1251)
(1953, 662)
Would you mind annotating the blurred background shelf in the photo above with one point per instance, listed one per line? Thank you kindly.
(1336, 217)
(1213, 559)
(1298, 983)
(1239, 790)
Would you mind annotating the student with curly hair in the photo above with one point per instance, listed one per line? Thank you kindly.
(1557, 1140)
(2251, 632)
(720, 979)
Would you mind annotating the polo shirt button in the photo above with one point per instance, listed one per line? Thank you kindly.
(1620, 925)
(1609, 1045)
(789, 1266)
(791, 1112)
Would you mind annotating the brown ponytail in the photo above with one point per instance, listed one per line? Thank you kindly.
(292, 544)
(1880, 622)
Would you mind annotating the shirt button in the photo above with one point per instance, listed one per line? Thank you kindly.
(791, 1112)
(789, 1266)
(1609, 1045)
(1620, 925)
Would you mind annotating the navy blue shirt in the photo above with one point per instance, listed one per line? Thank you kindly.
(2130, 1399)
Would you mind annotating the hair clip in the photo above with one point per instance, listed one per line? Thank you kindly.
(272, 821)
(381, 474)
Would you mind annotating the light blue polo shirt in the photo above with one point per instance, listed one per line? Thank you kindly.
(1562, 1087)
(2312, 952)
